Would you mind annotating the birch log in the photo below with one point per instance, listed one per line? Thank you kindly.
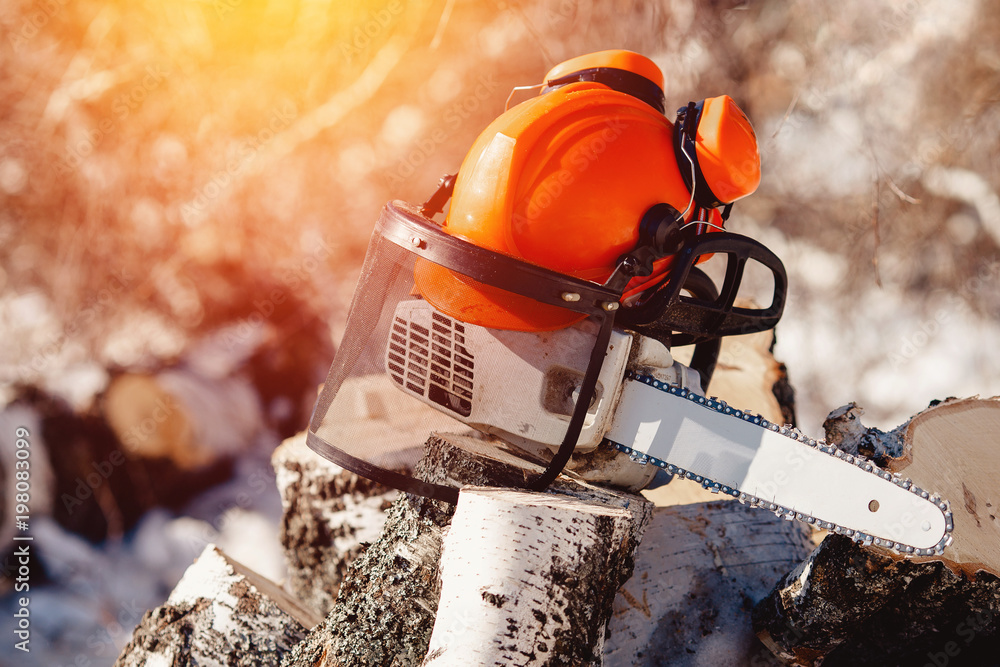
(698, 572)
(388, 599)
(220, 613)
(848, 604)
(182, 416)
(529, 578)
(329, 516)
(385, 609)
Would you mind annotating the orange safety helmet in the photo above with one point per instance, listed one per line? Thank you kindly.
(563, 180)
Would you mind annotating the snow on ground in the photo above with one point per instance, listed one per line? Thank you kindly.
(98, 593)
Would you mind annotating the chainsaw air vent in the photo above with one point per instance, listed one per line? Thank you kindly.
(432, 361)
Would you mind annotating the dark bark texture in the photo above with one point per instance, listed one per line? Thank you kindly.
(850, 605)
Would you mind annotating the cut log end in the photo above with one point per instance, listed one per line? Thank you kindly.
(953, 449)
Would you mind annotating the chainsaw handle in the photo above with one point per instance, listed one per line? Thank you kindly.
(706, 350)
(667, 311)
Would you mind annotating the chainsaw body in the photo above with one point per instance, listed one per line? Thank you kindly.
(516, 385)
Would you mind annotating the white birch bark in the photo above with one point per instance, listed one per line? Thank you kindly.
(528, 579)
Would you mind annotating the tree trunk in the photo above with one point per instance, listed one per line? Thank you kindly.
(698, 572)
(529, 578)
(852, 605)
(220, 613)
(385, 607)
(388, 598)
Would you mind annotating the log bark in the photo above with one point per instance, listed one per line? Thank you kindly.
(529, 578)
(329, 516)
(220, 613)
(698, 573)
(848, 604)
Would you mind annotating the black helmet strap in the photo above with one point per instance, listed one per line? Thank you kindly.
(621, 80)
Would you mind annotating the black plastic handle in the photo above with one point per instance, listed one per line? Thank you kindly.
(667, 309)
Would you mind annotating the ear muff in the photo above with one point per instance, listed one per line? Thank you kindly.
(716, 151)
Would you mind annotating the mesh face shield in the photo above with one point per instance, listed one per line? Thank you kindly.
(405, 370)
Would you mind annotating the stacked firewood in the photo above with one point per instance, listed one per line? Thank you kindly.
(585, 575)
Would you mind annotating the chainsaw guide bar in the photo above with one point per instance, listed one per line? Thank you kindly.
(901, 517)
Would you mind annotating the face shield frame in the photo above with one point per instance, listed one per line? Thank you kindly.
(405, 227)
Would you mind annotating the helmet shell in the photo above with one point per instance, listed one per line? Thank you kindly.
(561, 180)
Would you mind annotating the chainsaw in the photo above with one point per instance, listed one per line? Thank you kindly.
(538, 319)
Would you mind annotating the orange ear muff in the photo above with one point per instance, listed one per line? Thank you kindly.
(716, 151)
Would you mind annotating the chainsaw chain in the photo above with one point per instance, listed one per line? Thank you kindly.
(792, 433)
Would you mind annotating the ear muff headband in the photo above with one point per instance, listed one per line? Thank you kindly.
(621, 80)
(686, 151)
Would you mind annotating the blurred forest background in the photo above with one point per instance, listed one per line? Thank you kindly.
(183, 171)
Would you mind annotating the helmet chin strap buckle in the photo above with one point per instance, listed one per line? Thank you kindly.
(437, 201)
